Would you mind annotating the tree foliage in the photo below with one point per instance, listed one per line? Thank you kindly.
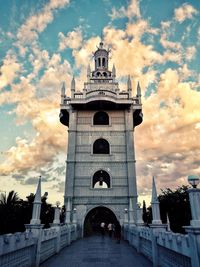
(176, 204)
(15, 212)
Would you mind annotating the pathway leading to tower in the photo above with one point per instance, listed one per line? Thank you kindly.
(97, 252)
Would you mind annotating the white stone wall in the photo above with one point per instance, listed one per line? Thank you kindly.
(86, 164)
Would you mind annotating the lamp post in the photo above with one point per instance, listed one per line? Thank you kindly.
(193, 180)
(56, 220)
(125, 216)
(139, 215)
(74, 219)
(194, 229)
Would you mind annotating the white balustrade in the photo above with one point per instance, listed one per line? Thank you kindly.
(19, 249)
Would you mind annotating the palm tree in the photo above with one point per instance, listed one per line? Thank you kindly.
(9, 210)
(11, 200)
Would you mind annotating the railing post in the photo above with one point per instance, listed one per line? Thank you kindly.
(156, 225)
(35, 225)
(194, 229)
(56, 225)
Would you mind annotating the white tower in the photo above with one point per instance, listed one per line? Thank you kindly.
(100, 170)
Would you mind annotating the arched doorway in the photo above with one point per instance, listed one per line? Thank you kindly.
(95, 217)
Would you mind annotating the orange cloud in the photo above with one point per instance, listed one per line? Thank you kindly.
(9, 70)
(184, 12)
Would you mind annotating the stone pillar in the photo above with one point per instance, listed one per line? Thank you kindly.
(140, 221)
(155, 205)
(56, 220)
(35, 226)
(168, 224)
(56, 225)
(130, 154)
(194, 229)
(70, 163)
(194, 196)
(131, 216)
(156, 225)
(37, 205)
(68, 212)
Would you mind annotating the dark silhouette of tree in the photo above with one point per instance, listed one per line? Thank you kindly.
(47, 212)
(176, 204)
(15, 212)
(10, 212)
(144, 212)
(62, 214)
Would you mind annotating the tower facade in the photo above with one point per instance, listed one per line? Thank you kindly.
(100, 167)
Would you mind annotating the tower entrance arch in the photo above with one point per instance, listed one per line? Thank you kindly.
(95, 217)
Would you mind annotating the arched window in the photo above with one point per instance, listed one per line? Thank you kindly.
(103, 62)
(98, 74)
(104, 74)
(101, 118)
(101, 146)
(99, 62)
(101, 179)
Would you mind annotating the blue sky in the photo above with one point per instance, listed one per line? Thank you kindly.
(43, 43)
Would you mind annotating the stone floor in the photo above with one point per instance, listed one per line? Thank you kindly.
(96, 251)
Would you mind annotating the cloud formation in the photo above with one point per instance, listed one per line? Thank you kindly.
(9, 70)
(133, 11)
(166, 144)
(72, 40)
(184, 12)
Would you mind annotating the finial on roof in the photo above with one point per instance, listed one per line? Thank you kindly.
(138, 90)
(63, 89)
(129, 85)
(101, 42)
(114, 71)
(88, 70)
(73, 84)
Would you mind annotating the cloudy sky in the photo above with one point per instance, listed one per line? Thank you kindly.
(43, 43)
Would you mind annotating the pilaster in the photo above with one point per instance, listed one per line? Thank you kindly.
(70, 163)
(130, 153)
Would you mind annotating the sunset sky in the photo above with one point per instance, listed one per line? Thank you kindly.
(43, 43)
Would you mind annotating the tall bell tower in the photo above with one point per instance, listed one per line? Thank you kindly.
(100, 167)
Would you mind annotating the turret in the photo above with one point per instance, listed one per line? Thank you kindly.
(101, 57)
